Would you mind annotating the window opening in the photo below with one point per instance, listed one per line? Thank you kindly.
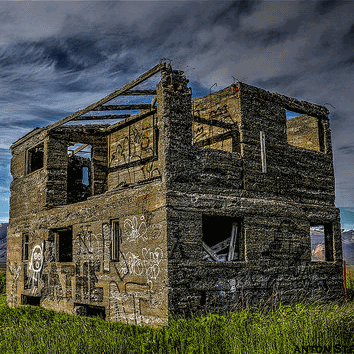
(115, 240)
(321, 242)
(35, 158)
(25, 240)
(30, 300)
(85, 176)
(79, 173)
(304, 131)
(65, 244)
(90, 311)
(222, 239)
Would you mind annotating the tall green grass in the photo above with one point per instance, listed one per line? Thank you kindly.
(286, 330)
(350, 282)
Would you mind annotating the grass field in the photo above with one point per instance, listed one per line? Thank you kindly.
(291, 329)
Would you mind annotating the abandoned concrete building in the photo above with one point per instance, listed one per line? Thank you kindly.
(187, 205)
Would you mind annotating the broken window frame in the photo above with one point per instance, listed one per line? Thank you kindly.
(232, 133)
(328, 238)
(115, 240)
(320, 130)
(234, 243)
(78, 178)
(59, 256)
(32, 155)
(25, 246)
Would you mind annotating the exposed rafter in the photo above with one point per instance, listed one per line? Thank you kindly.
(122, 107)
(139, 92)
(72, 153)
(91, 107)
(113, 116)
(130, 120)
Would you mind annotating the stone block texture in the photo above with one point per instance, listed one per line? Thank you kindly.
(201, 204)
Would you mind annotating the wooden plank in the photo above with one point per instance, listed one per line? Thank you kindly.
(231, 254)
(210, 252)
(214, 139)
(221, 245)
(113, 116)
(129, 120)
(72, 153)
(215, 122)
(110, 97)
(122, 107)
(139, 92)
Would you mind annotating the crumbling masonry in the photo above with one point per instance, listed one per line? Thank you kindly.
(203, 204)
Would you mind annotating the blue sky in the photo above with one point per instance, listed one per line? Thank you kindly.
(58, 57)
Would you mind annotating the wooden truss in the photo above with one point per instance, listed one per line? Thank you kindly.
(100, 105)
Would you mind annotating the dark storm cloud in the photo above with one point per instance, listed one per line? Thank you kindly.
(231, 14)
(345, 149)
(326, 6)
(69, 54)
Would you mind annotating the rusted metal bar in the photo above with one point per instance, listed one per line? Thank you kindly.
(122, 107)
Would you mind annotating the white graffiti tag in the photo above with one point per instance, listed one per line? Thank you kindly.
(148, 265)
(35, 265)
(133, 231)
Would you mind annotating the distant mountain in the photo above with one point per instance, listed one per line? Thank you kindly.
(318, 247)
(348, 246)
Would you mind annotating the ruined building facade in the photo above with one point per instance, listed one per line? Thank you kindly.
(203, 204)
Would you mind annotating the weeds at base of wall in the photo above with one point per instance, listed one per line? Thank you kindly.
(37, 330)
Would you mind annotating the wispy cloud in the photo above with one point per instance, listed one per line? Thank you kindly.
(58, 57)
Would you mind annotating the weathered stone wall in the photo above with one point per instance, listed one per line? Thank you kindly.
(276, 206)
(134, 153)
(28, 190)
(156, 178)
(132, 290)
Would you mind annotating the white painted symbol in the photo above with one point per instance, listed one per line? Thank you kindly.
(36, 264)
(133, 230)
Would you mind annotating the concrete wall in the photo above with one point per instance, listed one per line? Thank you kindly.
(162, 177)
(276, 207)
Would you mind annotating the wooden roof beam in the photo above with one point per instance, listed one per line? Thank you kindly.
(122, 107)
(89, 108)
(72, 153)
(110, 97)
(113, 116)
(139, 92)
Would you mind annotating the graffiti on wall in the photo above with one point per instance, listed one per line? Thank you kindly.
(133, 147)
(210, 135)
(135, 228)
(129, 295)
(35, 267)
(88, 242)
(138, 269)
(14, 271)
